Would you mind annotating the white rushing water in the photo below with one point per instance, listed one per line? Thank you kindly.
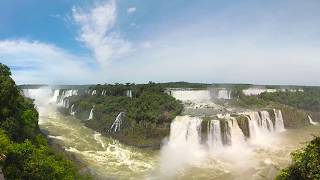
(311, 121)
(61, 99)
(116, 125)
(279, 125)
(91, 114)
(214, 134)
(221, 93)
(198, 96)
(72, 111)
(267, 149)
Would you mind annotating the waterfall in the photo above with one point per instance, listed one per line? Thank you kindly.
(311, 121)
(224, 94)
(65, 94)
(55, 96)
(278, 125)
(253, 119)
(94, 92)
(214, 134)
(65, 103)
(91, 114)
(260, 124)
(72, 112)
(237, 136)
(183, 146)
(195, 96)
(116, 125)
(226, 131)
(103, 93)
(266, 123)
(129, 93)
(257, 91)
(185, 130)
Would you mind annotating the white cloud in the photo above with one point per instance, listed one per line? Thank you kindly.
(96, 31)
(131, 10)
(146, 44)
(43, 63)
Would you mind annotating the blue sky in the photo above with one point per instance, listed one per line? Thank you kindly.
(106, 41)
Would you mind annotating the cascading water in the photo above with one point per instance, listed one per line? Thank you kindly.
(65, 94)
(311, 121)
(66, 103)
(129, 93)
(196, 96)
(214, 134)
(278, 125)
(266, 123)
(116, 125)
(72, 111)
(91, 114)
(55, 96)
(183, 146)
(222, 93)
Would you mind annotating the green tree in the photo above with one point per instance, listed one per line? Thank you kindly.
(306, 163)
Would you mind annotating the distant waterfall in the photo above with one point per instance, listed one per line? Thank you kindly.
(55, 96)
(129, 93)
(116, 125)
(222, 93)
(65, 103)
(94, 92)
(72, 111)
(91, 114)
(63, 94)
(279, 125)
(214, 134)
(104, 92)
(311, 121)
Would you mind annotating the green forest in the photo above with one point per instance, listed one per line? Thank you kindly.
(24, 151)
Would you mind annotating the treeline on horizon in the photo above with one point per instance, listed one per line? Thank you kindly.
(308, 99)
(24, 151)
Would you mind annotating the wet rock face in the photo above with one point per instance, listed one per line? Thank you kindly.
(294, 118)
(244, 125)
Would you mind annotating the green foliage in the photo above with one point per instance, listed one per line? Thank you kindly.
(5, 146)
(308, 100)
(18, 116)
(24, 151)
(26, 160)
(306, 163)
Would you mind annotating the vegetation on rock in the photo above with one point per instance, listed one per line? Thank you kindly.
(147, 114)
(306, 163)
(24, 151)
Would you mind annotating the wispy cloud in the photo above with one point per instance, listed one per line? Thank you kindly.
(96, 31)
(131, 10)
(37, 62)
